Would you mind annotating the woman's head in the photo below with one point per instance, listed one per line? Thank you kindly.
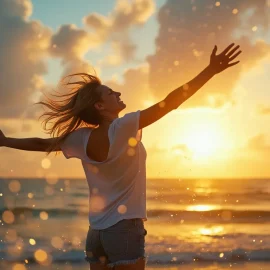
(97, 103)
(110, 103)
(89, 104)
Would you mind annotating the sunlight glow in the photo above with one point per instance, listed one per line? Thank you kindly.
(204, 141)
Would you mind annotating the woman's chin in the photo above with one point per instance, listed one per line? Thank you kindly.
(122, 107)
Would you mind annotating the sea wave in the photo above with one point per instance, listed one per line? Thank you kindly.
(219, 216)
(77, 256)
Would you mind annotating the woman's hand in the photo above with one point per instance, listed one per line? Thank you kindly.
(224, 60)
(2, 138)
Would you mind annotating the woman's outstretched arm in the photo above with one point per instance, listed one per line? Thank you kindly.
(218, 63)
(27, 144)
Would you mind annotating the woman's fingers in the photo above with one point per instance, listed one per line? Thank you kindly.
(214, 50)
(234, 56)
(227, 49)
(233, 64)
(233, 51)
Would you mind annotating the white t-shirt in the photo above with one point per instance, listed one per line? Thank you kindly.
(117, 185)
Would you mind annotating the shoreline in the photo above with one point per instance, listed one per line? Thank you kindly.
(193, 266)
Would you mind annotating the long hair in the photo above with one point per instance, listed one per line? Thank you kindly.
(77, 110)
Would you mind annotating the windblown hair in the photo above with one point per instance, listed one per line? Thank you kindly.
(73, 112)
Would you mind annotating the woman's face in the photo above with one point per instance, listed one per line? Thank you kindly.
(110, 100)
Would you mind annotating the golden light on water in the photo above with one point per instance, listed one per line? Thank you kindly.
(201, 207)
(226, 215)
(211, 231)
(14, 186)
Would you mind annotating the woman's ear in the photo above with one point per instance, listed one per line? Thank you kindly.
(98, 106)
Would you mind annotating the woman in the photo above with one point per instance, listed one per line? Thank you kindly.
(113, 158)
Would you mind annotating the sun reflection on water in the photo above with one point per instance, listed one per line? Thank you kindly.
(201, 207)
(211, 231)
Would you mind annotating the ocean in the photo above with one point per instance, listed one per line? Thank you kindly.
(195, 223)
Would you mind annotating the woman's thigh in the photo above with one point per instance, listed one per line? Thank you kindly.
(124, 244)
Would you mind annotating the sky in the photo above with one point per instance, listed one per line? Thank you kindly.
(144, 49)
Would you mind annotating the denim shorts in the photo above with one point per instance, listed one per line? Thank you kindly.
(122, 243)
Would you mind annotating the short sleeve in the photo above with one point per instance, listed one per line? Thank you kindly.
(128, 125)
(74, 144)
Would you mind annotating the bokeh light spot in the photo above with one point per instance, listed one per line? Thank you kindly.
(46, 163)
(122, 209)
(96, 204)
(30, 195)
(186, 87)
(32, 241)
(131, 152)
(57, 242)
(8, 217)
(49, 190)
(14, 186)
(43, 215)
(132, 142)
(162, 104)
(51, 178)
(254, 28)
(18, 266)
(41, 255)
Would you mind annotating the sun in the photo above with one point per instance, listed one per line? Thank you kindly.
(203, 142)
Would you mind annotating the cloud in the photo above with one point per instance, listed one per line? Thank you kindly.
(187, 35)
(23, 50)
(70, 44)
(116, 26)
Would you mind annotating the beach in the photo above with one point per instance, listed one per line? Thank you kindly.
(192, 224)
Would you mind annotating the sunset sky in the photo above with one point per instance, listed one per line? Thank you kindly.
(144, 49)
